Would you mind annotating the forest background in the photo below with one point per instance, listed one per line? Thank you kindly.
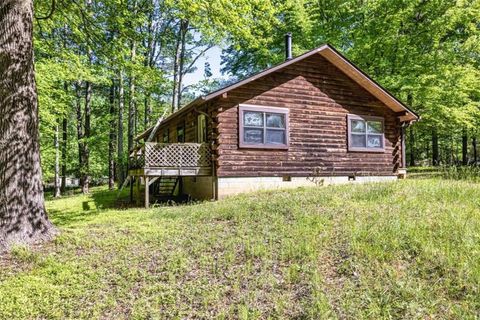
(106, 70)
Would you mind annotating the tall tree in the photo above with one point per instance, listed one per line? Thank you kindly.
(474, 147)
(111, 140)
(22, 209)
(435, 148)
(132, 103)
(57, 183)
(63, 172)
(120, 153)
(85, 150)
(179, 62)
(464, 148)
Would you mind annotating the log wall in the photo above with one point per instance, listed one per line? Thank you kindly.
(319, 97)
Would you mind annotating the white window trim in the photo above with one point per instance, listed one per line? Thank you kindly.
(256, 108)
(366, 119)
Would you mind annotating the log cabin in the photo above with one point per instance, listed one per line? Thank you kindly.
(314, 119)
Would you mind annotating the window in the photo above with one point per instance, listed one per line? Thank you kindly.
(263, 127)
(181, 132)
(365, 133)
(201, 128)
(166, 136)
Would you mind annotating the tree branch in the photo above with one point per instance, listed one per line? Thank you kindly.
(196, 58)
(50, 14)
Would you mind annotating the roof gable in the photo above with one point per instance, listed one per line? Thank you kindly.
(344, 65)
(334, 57)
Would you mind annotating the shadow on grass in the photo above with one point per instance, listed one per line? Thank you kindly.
(65, 218)
(70, 210)
(67, 211)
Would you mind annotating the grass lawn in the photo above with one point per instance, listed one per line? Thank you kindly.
(409, 249)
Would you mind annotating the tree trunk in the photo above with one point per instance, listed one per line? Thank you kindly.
(131, 103)
(178, 64)
(56, 192)
(412, 134)
(474, 147)
(184, 30)
(412, 148)
(80, 135)
(148, 111)
(435, 160)
(64, 155)
(464, 148)
(111, 141)
(22, 210)
(454, 160)
(120, 156)
(85, 154)
(148, 62)
(85, 166)
(135, 122)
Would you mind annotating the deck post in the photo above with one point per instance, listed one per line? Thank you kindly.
(138, 191)
(404, 152)
(147, 191)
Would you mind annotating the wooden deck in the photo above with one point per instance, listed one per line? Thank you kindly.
(171, 159)
(157, 161)
(171, 172)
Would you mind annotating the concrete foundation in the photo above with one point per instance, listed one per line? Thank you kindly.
(231, 186)
(203, 188)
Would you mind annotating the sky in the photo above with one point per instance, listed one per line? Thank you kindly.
(213, 57)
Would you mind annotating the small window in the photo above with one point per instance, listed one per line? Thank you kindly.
(166, 136)
(365, 133)
(263, 127)
(181, 133)
(201, 128)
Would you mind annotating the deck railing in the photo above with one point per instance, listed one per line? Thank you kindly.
(171, 155)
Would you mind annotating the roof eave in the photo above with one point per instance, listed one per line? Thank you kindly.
(360, 77)
(328, 52)
(195, 102)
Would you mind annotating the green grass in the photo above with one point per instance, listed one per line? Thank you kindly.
(409, 249)
(467, 173)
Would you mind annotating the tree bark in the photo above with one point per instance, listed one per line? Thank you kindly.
(111, 141)
(80, 134)
(474, 147)
(178, 64)
(435, 153)
(412, 134)
(131, 102)
(85, 155)
(87, 132)
(464, 148)
(23, 218)
(148, 62)
(63, 173)
(183, 30)
(56, 143)
(64, 155)
(120, 155)
(148, 111)
(412, 147)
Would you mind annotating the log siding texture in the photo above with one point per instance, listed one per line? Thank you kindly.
(319, 97)
(320, 89)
